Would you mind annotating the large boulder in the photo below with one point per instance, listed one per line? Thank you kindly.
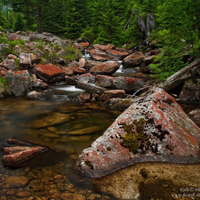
(153, 129)
(123, 83)
(91, 63)
(25, 60)
(49, 73)
(117, 54)
(104, 47)
(99, 55)
(108, 94)
(106, 68)
(133, 60)
(18, 82)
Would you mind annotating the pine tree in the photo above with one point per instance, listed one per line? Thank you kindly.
(19, 23)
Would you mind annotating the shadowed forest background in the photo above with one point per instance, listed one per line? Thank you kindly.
(177, 30)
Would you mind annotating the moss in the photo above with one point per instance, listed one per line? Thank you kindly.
(134, 134)
(126, 101)
(88, 163)
(108, 148)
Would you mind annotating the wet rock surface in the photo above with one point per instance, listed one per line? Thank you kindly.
(154, 129)
(49, 73)
(164, 181)
(19, 152)
(128, 84)
(105, 68)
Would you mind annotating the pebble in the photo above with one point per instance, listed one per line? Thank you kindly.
(23, 194)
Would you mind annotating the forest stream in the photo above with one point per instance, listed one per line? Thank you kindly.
(46, 175)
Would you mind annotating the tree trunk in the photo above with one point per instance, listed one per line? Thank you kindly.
(39, 19)
(180, 76)
(7, 11)
(85, 86)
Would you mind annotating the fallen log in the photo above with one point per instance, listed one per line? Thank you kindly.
(180, 76)
(85, 86)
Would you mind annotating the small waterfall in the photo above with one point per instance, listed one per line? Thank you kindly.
(86, 55)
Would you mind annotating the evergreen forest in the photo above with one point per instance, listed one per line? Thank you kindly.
(177, 30)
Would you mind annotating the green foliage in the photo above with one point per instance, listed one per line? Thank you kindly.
(3, 39)
(11, 45)
(3, 21)
(2, 29)
(3, 81)
(19, 23)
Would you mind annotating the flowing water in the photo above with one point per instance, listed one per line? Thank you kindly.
(45, 176)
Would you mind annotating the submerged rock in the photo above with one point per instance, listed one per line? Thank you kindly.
(19, 152)
(147, 180)
(49, 119)
(153, 129)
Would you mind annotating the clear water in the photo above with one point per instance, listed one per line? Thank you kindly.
(18, 117)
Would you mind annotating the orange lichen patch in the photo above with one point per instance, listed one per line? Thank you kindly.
(49, 69)
(84, 44)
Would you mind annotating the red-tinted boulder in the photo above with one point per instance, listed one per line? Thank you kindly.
(108, 94)
(153, 129)
(133, 60)
(25, 60)
(123, 83)
(14, 155)
(104, 47)
(18, 82)
(84, 44)
(106, 68)
(91, 63)
(9, 64)
(99, 55)
(117, 54)
(49, 73)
